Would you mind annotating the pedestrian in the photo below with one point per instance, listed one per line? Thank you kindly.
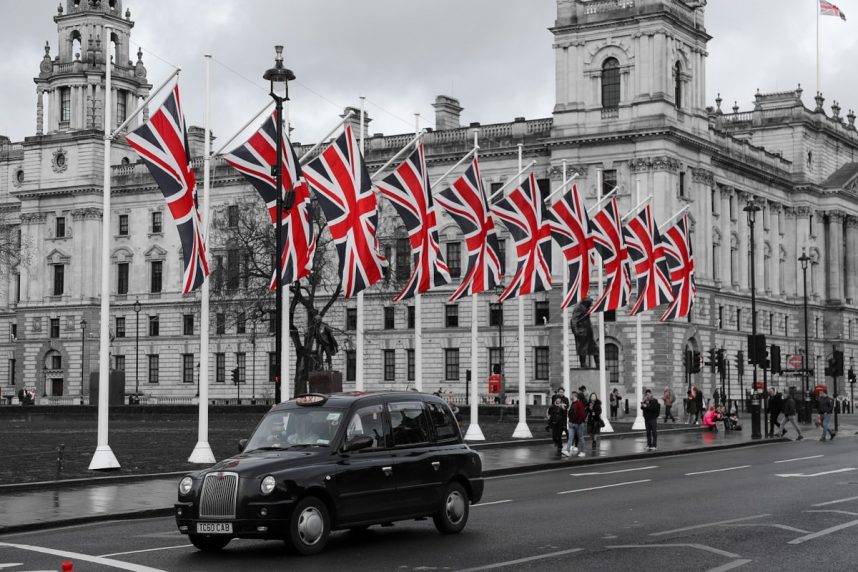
(556, 422)
(582, 393)
(668, 397)
(615, 400)
(826, 406)
(716, 396)
(789, 410)
(594, 417)
(651, 409)
(691, 406)
(776, 403)
(698, 396)
(561, 393)
(577, 416)
(711, 418)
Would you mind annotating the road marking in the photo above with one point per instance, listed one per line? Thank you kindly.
(717, 470)
(781, 526)
(835, 511)
(603, 487)
(718, 523)
(613, 472)
(521, 560)
(491, 503)
(846, 470)
(11, 565)
(85, 557)
(823, 532)
(799, 459)
(730, 565)
(146, 550)
(838, 501)
(717, 551)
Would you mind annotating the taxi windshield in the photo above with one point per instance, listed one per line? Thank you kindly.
(306, 426)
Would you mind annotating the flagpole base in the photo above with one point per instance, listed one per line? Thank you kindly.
(202, 454)
(607, 428)
(639, 424)
(474, 433)
(103, 460)
(522, 431)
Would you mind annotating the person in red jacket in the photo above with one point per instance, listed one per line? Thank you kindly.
(577, 416)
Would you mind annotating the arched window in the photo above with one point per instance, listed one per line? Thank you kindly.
(767, 266)
(677, 78)
(611, 83)
(612, 363)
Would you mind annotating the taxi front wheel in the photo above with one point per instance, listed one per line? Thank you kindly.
(309, 527)
(209, 543)
(455, 507)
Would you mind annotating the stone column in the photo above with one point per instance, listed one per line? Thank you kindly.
(792, 273)
(727, 278)
(775, 235)
(851, 260)
(40, 111)
(834, 256)
(744, 241)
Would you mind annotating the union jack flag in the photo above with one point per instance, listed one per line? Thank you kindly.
(345, 191)
(408, 189)
(680, 260)
(648, 260)
(829, 9)
(524, 215)
(162, 143)
(609, 243)
(466, 201)
(571, 230)
(254, 159)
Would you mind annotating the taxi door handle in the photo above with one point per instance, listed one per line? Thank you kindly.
(387, 471)
(436, 465)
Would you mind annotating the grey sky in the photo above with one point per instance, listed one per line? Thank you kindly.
(494, 55)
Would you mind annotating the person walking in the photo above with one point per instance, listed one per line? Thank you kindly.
(776, 403)
(577, 416)
(692, 407)
(651, 409)
(789, 416)
(826, 407)
(594, 418)
(669, 398)
(701, 403)
(557, 422)
(615, 400)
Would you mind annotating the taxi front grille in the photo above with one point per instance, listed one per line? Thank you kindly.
(217, 499)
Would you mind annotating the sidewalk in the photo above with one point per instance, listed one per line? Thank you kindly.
(48, 504)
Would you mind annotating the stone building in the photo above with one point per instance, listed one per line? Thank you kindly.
(630, 101)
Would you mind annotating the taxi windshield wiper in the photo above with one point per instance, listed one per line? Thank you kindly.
(302, 445)
(268, 448)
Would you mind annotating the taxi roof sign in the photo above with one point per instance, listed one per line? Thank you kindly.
(311, 399)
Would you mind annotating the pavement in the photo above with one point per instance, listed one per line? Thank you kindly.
(46, 505)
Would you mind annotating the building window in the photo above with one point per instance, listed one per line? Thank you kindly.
(157, 276)
(153, 369)
(55, 328)
(682, 184)
(187, 368)
(388, 255)
(410, 317)
(389, 318)
(738, 319)
(609, 181)
(611, 84)
(232, 216)
(734, 265)
(502, 254)
(540, 313)
(120, 327)
(220, 323)
(120, 107)
(454, 259)
(451, 316)
(56, 362)
(60, 226)
(65, 104)
(157, 220)
(713, 201)
(273, 370)
(220, 368)
(241, 363)
(389, 365)
(772, 324)
(351, 319)
(786, 325)
(123, 225)
(540, 362)
(409, 370)
(11, 371)
(495, 314)
(720, 317)
(233, 269)
(612, 362)
(240, 323)
(188, 324)
(677, 88)
(403, 258)
(59, 279)
(218, 273)
(120, 363)
(451, 364)
(351, 365)
(122, 278)
(154, 325)
(495, 361)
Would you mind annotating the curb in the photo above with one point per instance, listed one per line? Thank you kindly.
(132, 515)
(477, 445)
(112, 479)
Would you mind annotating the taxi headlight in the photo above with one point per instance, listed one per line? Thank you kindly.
(185, 485)
(267, 485)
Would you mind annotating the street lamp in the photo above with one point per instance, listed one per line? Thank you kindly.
(254, 318)
(137, 349)
(752, 209)
(82, 353)
(279, 78)
(804, 259)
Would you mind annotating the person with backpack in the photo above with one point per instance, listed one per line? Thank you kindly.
(669, 398)
(557, 422)
(826, 407)
(615, 400)
(651, 409)
(577, 416)
(789, 410)
(594, 418)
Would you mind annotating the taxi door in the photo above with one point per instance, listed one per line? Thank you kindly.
(418, 478)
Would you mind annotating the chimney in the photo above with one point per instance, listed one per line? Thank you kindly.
(354, 121)
(447, 110)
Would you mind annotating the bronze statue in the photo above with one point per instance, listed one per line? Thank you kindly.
(582, 329)
(325, 342)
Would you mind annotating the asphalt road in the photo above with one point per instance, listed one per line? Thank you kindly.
(784, 506)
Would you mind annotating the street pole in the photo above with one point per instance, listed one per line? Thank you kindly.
(752, 210)
(82, 353)
(137, 349)
(253, 364)
(804, 259)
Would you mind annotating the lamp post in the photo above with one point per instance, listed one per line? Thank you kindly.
(137, 349)
(752, 208)
(82, 353)
(279, 78)
(804, 259)
(254, 319)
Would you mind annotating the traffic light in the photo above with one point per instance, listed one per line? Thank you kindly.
(711, 361)
(838, 363)
(719, 361)
(776, 359)
(740, 363)
(695, 362)
(757, 352)
(686, 361)
(851, 375)
(235, 375)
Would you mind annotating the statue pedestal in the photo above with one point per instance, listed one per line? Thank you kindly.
(588, 378)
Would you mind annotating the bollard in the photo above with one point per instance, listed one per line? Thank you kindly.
(60, 450)
(68, 566)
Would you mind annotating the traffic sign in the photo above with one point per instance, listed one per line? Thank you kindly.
(794, 362)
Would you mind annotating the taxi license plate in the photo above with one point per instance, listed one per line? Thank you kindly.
(214, 527)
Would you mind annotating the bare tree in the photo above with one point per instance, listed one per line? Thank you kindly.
(13, 252)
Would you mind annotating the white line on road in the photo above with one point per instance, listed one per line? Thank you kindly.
(146, 550)
(717, 470)
(835, 511)
(603, 487)
(781, 526)
(720, 522)
(717, 551)
(491, 503)
(85, 557)
(799, 459)
(613, 472)
(838, 501)
(521, 560)
(730, 565)
(846, 470)
(11, 565)
(823, 532)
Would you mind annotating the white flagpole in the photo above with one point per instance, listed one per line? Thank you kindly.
(562, 187)
(522, 431)
(669, 221)
(415, 141)
(474, 432)
(818, 85)
(603, 378)
(104, 457)
(306, 156)
(639, 420)
(286, 327)
(243, 127)
(202, 452)
(418, 309)
(453, 168)
(517, 176)
(359, 383)
(565, 320)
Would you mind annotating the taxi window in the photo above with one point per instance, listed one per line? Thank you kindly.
(368, 421)
(409, 423)
(446, 428)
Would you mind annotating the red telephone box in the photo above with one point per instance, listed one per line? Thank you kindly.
(494, 384)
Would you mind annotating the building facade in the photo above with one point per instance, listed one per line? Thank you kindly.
(630, 101)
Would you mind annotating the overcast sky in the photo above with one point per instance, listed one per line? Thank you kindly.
(494, 55)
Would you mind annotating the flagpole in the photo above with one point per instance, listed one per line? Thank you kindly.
(202, 453)
(474, 432)
(398, 154)
(513, 178)
(418, 307)
(453, 168)
(639, 420)
(522, 431)
(306, 155)
(243, 127)
(104, 457)
(562, 186)
(599, 201)
(669, 221)
(603, 380)
(818, 86)
(565, 320)
(359, 350)
(286, 327)
(637, 207)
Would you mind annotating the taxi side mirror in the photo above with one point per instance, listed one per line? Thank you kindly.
(357, 443)
(241, 445)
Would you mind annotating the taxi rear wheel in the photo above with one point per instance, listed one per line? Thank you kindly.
(208, 543)
(309, 527)
(455, 507)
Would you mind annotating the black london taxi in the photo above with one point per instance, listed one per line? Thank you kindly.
(319, 463)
